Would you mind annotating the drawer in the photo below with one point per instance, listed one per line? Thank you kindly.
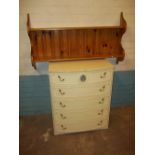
(81, 77)
(78, 126)
(80, 90)
(76, 103)
(64, 116)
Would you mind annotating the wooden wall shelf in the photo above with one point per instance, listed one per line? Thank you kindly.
(76, 43)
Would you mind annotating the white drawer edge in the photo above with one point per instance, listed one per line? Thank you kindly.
(86, 71)
(81, 84)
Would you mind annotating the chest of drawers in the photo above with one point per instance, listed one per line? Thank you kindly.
(80, 95)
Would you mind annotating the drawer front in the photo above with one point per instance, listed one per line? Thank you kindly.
(87, 114)
(81, 77)
(81, 89)
(77, 104)
(78, 126)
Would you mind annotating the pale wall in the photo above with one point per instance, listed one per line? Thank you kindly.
(49, 13)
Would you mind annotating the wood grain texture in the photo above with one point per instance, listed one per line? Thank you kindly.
(75, 43)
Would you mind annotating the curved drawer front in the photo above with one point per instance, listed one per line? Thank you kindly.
(76, 104)
(81, 125)
(81, 77)
(81, 89)
(88, 114)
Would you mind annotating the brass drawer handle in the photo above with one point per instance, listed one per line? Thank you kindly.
(102, 89)
(100, 123)
(62, 116)
(101, 112)
(83, 78)
(62, 105)
(62, 126)
(61, 92)
(102, 101)
(60, 78)
(104, 75)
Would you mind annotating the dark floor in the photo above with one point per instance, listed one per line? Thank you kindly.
(36, 137)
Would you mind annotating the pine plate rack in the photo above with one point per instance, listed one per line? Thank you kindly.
(76, 43)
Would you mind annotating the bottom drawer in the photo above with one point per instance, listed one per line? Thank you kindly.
(80, 121)
(61, 128)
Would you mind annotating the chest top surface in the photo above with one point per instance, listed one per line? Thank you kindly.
(75, 66)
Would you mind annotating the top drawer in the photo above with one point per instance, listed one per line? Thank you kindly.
(81, 77)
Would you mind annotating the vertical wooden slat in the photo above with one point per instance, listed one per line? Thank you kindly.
(31, 35)
(89, 42)
(44, 50)
(80, 43)
(47, 43)
(68, 44)
(97, 42)
(34, 53)
(94, 42)
(33, 44)
(57, 44)
(72, 44)
(104, 43)
(52, 44)
(63, 39)
(114, 43)
(39, 45)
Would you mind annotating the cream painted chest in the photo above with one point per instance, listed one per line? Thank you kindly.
(80, 95)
